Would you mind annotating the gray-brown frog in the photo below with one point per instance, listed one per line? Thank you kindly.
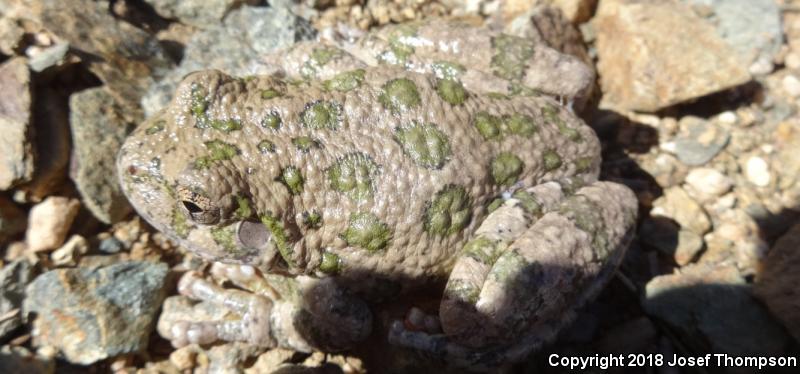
(420, 155)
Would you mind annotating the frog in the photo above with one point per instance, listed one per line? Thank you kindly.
(424, 158)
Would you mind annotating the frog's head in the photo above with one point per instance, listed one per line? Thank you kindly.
(194, 172)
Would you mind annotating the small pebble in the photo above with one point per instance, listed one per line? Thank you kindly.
(727, 118)
(49, 222)
(111, 245)
(69, 253)
(791, 85)
(757, 171)
(708, 181)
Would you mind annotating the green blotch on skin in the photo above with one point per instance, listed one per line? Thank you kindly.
(322, 115)
(511, 56)
(497, 96)
(447, 70)
(400, 49)
(279, 237)
(528, 202)
(463, 291)
(496, 203)
(346, 81)
(224, 237)
(319, 58)
(488, 125)
(583, 164)
(551, 160)
(292, 179)
(519, 124)
(331, 263)
(354, 175)
(305, 143)
(448, 212)
(180, 224)
(428, 146)
(516, 89)
(272, 121)
(550, 114)
(451, 91)
(226, 126)
(266, 146)
(243, 209)
(365, 230)
(506, 168)
(198, 103)
(483, 250)
(312, 219)
(217, 151)
(586, 216)
(156, 127)
(399, 95)
(508, 267)
(270, 93)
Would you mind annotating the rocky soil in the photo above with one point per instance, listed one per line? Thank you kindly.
(697, 107)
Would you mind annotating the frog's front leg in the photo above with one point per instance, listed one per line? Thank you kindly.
(299, 313)
(533, 262)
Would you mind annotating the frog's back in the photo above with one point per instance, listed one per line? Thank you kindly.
(397, 169)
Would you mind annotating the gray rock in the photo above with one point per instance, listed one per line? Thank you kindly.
(52, 145)
(127, 59)
(17, 157)
(699, 141)
(752, 27)
(711, 309)
(90, 314)
(14, 277)
(199, 13)
(236, 47)
(19, 360)
(12, 220)
(51, 56)
(98, 129)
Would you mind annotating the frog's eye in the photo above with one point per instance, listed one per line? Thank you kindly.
(198, 208)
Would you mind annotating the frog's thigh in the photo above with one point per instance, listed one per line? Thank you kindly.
(551, 268)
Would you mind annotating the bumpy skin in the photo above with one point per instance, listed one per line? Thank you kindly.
(363, 172)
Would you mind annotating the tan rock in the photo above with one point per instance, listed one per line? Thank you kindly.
(17, 156)
(49, 222)
(679, 206)
(576, 11)
(654, 54)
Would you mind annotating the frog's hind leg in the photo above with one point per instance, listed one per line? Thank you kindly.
(298, 313)
(533, 262)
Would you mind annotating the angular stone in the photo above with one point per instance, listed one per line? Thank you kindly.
(751, 27)
(17, 156)
(711, 309)
(679, 206)
(49, 222)
(654, 54)
(681, 245)
(98, 130)
(199, 13)
(90, 314)
(128, 57)
(708, 182)
(14, 277)
(699, 141)
(48, 57)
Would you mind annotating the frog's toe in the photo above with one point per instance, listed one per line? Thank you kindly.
(418, 320)
(253, 327)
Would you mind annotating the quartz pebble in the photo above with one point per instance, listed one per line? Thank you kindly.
(49, 222)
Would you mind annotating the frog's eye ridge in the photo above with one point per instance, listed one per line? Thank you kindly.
(198, 208)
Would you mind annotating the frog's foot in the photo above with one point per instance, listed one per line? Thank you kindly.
(254, 309)
(533, 261)
(299, 313)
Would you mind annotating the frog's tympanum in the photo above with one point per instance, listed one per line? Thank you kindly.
(420, 155)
